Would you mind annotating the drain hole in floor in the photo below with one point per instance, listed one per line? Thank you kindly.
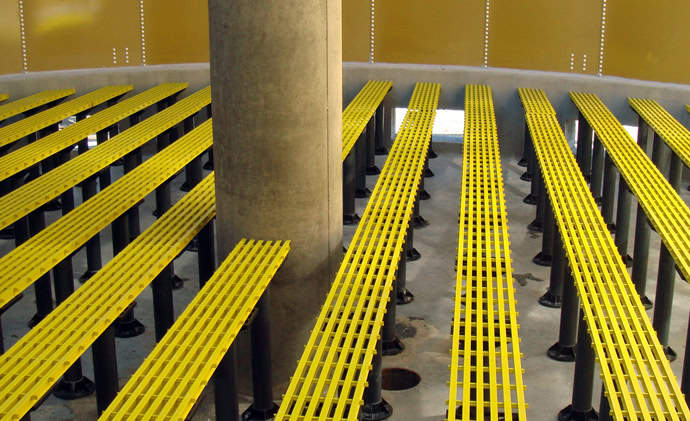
(399, 379)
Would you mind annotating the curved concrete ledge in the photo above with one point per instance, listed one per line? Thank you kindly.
(614, 91)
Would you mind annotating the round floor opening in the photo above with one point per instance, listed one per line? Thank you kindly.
(399, 379)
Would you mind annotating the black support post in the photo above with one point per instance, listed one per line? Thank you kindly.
(380, 132)
(609, 193)
(536, 186)
(44, 291)
(664, 300)
(105, 369)
(544, 257)
(207, 253)
(391, 344)
(623, 221)
(225, 388)
(597, 170)
(552, 298)
(375, 407)
(531, 157)
(372, 169)
(360, 149)
(584, 147)
(417, 219)
(93, 245)
(538, 223)
(262, 408)
(403, 295)
(525, 148)
(350, 217)
(412, 253)
(583, 382)
(126, 326)
(564, 350)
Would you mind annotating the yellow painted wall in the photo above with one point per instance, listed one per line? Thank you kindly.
(74, 34)
(542, 34)
(429, 32)
(643, 40)
(648, 40)
(10, 41)
(176, 31)
(356, 30)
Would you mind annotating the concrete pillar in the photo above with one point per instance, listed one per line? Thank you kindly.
(276, 72)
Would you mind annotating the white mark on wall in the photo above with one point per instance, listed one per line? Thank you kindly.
(142, 32)
(572, 61)
(371, 31)
(603, 33)
(126, 55)
(584, 62)
(486, 35)
(25, 63)
(114, 55)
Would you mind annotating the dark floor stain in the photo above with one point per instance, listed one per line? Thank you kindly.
(533, 234)
(522, 278)
(415, 318)
(405, 331)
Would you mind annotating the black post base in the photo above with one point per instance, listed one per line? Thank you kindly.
(351, 219)
(373, 170)
(185, 187)
(562, 353)
(208, 166)
(570, 414)
(550, 300)
(531, 199)
(177, 282)
(126, 326)
(420, 222)
(362, 193)
(403, 296)
(526, 176)
(413, 255)
(432, 154)
(52, 206)
(542, 259)
(376, 411)
(627, 260)
(392, 347)
(87, 275)
(254, 414)
(193, 246)
(156, 213)
(7, 233)
(598, 200)
(536, 225)
(671, 355)
(74, 390)
(646, 303)
(428, 173)
(424, 195)
(384, 151)
(611, 227)
(522, 162)
(36, 319)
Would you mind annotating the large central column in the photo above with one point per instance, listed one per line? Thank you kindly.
(276, 77)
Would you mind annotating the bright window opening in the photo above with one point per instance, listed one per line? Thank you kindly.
(449, 125)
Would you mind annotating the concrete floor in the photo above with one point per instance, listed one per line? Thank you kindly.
(424, 325)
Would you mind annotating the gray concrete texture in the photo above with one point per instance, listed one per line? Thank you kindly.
(277, 137)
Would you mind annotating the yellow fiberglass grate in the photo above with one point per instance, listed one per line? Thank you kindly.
(26, 263)
(4, 97)
(486, 371)
(35, 152)
(676, 136)
(535, 101)
(637, 377)
(337, 357)
(54, 115)
(31, 102)
(40, 191)
(664, 208)
(169, 382)
(361, 109)
(30, 368)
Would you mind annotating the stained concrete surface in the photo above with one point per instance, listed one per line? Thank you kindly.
(424, 323)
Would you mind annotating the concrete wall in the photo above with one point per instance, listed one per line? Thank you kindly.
(504, 83)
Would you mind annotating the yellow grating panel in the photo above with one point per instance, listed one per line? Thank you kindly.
(535, 101)
(331, 375)
(687, 108)
(636, 375)
(361, 109)
(34, 364)
(664, 208)
(485, 370)
(30, 102)
(168, 383)
(26, 263)
(676, 136)
(40, 191)
(4, 97)
(33, 153)
(36, 122)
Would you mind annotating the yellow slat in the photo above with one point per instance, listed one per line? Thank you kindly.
(171, 379)
(13, 132)
(343, 351)
(361, 109)
(35, 152)
(485, 353)
(33, 101)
